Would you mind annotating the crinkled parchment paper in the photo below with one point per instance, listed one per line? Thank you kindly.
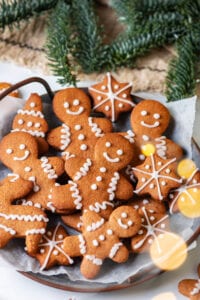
(181, 130)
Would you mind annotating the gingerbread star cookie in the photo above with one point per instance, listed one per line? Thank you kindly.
(156, 177)
(190, 287)
(50, 249)
(111, 97)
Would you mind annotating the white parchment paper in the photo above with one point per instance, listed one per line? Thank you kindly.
(181, 128)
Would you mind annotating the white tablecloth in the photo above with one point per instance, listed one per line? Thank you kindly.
(15, 286)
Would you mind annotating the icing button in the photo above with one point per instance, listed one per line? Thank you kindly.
(94, 187)
(102, 170)
(83, 147)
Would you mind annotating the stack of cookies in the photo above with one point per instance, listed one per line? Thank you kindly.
(117, 186)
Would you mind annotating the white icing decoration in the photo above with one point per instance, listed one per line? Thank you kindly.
(112, 96)
(94, 260)
(75, 194)
(77, 127)
(35, 231)
(143, 113)
(8, 229)
(93, 187)
(14, 177)
(95, 243)
(156, 116)
(109, 232)
(53, 245)
(116, 86)
(98, 178)
(124, 215)
(47, 168)
(9, 151)
(24, 157)
(32, 104)
(75, 113)
(67, 155)
(151, 230)
(82, 244)
(20, 122)
(32, 132)
(30, 124)
(83, 170)
(145, 137)
(108, 158)
(196, 288)
(155, 175)
(120, 105)
(55, 252)
(76, 102)
(183, 190)
(120, 152)
(36, 187)
(94, 128)
(124, 95)
(107, 108)
(154, 125)
(83, 147)
(102, 169)
(124, 226)
(96, 225)
(97, 206)
(22, 147)
(108, 144)
(113, 186)
(99, 97)
(51, 206)
(102, 237)
(31, 113)
(161, 146)
(27, 169)
(26, 218)
(115, 249)
(130, 136)
(65, 137)
(142, 157)
(37, 125)
(81, 137)
(66, 104)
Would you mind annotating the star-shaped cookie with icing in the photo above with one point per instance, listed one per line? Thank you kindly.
(156, 177)
(50, 252)
(190, 287)
(111, 97)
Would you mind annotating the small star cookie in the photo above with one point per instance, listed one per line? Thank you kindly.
(111, 97)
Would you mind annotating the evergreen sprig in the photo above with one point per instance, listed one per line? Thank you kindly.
(90, 52)
(60, 43)
(181, 76)
(18, 10)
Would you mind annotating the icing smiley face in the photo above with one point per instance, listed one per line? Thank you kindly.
(74, 103)
(150, 117)
(125, 221)
(13, 152)
(113, 150)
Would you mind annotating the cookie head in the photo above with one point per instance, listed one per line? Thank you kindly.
(71, 103)
(17, 147)
(113, 151)
(150, 117)
(125, 221)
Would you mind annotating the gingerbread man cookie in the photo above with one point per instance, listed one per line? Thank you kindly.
(78, 134)
(18, 221)
(31, 119)
(111, 97)
(101, 239)
(19, 152)
(156, 177)
(99, 183)
(149, 120)
(50, 249)
(190, 287)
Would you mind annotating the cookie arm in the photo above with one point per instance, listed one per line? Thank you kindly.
(71, 245)
(121, 255)
(103, 124)
(54, 137)
(124, 189)
(58, 165)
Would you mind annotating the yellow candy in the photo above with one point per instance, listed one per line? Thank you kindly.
(171, 253)
(189, 203)
(148, 149)
(165, 296)
(185, 168)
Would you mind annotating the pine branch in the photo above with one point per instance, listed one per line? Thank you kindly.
(149, 6)
(181, 76)
(15, 11)
(90, 51)
(60, 43)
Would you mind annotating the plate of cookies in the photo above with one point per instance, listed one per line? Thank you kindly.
(99, 189)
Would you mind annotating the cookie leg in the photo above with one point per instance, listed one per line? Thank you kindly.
(90, 266)
(5, 237)
(32, 241)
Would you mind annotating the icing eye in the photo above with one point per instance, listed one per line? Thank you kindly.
(120, 152)
(37, 125)
(76, 102)
(156, 116)
(130, 223)
(143, 113)
(108, 144)
(124, 215)
(22, 147)
(109, 232)
(9, 151)
(32, 104)
(66, 105)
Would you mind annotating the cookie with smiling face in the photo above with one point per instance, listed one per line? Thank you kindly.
(111, 97)
(149, 120)
(96, 185)
(30, 119)
(78, 134)
(101, 239)
(19, 152)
